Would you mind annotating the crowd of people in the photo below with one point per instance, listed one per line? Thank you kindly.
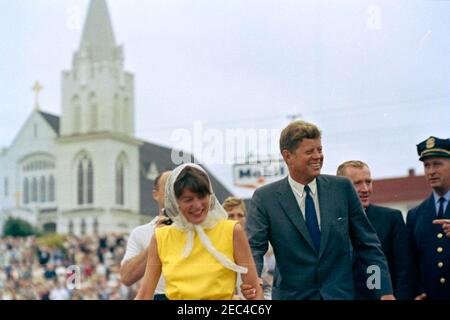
(85, 268)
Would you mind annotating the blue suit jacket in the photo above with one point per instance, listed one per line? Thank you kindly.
(301, 272)
(392, 233)
(425, 240)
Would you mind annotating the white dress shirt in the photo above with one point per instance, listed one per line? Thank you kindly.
(300, 196)
(446, 201)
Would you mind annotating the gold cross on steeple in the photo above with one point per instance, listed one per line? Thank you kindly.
(37, 88)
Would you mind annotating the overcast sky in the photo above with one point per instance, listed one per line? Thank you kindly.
(375, 76)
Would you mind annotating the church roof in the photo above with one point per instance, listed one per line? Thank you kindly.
(52, 120)
(98, 35)
(152, 155)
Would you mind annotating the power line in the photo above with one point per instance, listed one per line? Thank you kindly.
(360, 107)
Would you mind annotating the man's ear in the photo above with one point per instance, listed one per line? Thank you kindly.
(155, 195)
(286, 156)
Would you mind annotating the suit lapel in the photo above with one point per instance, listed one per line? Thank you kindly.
(372, 215)
(430, 214)
(290, 207)
(431, 211)
(380, 225)
(325, 204)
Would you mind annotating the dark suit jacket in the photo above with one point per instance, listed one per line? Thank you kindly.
(425, 239)
(392, 233)
(301, 272)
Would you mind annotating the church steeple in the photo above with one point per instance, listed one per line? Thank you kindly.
(98, 94)
(98, 35)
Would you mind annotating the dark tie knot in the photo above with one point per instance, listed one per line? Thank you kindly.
(441, 200)
(308, 190)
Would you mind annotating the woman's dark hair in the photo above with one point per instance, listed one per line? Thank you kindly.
(194, 180)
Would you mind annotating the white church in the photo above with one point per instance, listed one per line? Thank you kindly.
(85, 172)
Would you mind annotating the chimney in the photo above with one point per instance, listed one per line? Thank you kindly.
(411, 172)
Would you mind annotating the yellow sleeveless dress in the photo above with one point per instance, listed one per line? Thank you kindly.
(199, 276)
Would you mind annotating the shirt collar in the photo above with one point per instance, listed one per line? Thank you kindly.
(437, 197)
(299, 188)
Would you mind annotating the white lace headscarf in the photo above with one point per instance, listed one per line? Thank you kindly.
(215, 214)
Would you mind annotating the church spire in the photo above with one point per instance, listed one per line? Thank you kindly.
(98, 94)
(98, 36)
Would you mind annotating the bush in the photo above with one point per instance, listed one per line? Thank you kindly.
(18, 228)
(53, 240)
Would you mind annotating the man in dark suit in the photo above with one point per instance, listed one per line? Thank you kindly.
(391, 231)
(431, 248)
(310, 219)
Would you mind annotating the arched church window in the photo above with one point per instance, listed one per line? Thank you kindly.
(6, 187)
(42, 190)
(26, 188)
(34, 190)
(117, 115)
(125, 114)
(90, 181)
(120, 183)
(76, 114)
(95, 226)
(85, 181)
(51, 189)
(93, 110)
(80, 184)
(83, 227)
(71, 227)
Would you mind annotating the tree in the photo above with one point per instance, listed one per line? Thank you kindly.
(15, 227)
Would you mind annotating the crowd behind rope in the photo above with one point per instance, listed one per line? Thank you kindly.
(33, 271)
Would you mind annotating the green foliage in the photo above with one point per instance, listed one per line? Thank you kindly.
(52, 240)
(18, 228)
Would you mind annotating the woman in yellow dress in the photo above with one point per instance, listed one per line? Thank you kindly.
(202, 252)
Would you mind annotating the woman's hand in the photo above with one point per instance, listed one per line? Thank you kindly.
(243, 257)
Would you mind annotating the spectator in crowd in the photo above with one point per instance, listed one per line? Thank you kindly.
(32, 271)
(237, 211)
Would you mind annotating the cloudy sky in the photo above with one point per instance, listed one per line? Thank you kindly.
(375, 76)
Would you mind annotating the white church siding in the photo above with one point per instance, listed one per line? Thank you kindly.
(34, 144)
(103, 150)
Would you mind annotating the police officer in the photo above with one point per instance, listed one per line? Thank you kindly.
(430, 246)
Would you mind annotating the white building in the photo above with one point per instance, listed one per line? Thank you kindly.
(85, 172)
